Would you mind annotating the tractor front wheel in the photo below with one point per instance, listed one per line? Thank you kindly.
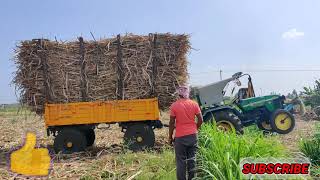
(264, 125)
(282, 121)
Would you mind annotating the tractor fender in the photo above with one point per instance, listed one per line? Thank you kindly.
(212, 110)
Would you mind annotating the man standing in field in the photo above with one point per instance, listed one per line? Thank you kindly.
(182, 115)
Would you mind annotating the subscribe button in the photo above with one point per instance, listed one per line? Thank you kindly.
(274, 168)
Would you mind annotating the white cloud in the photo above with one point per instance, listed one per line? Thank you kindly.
(292, 34)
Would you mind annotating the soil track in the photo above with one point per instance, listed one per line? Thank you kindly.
(303, 129)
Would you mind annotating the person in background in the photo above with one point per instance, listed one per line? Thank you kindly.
(182, 119)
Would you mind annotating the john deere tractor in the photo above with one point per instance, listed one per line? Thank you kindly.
(269, 113)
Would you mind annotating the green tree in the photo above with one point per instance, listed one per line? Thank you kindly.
(312, 95)
(292, 95)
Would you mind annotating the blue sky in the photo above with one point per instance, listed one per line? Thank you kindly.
(246, 35)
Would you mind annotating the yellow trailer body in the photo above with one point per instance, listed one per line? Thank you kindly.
(101, 112)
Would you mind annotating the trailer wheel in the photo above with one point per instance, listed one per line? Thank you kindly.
(70, 140)
(282, 121)
(139, 136)
(226, 121)
(90, 136)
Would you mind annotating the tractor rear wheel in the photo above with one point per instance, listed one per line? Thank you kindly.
(226, 121)
(139, 136)
(282, 121)
(70, 140)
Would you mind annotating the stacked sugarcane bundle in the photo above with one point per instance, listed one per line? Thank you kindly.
(123, 67)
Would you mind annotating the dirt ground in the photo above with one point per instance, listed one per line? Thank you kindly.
(100, 157)
(303, 129)
(108, 144)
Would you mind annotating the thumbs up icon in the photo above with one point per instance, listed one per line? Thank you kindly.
(30, 161)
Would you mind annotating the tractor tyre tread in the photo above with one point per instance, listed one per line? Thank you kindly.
(228, 116)
(260, 126)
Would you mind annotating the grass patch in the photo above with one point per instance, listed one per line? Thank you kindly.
(220, 153)
(15, 111)
(141, 165)
(152, 165)
(311, 148)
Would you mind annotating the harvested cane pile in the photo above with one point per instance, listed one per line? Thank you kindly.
(128, 67)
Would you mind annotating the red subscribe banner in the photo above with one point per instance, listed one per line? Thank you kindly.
(275, 168)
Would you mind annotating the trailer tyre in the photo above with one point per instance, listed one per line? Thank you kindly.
(139, 136)
(282, 121)
(226, 121)
(90, 135)
(70, 140)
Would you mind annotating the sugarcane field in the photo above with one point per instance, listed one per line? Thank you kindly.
(170, 90)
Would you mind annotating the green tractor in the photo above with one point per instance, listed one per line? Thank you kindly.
(270, 113)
